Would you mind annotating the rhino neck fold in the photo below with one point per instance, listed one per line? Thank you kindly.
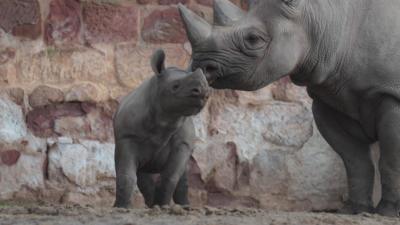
(332, 31)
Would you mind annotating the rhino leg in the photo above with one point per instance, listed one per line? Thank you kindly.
(346, 137)
(125, 168)
(388, 125)
(181, 192)
(146, 186)
(171, 175)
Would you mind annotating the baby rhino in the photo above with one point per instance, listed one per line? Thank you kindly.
(154, 134)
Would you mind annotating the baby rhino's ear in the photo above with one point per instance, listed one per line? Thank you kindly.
(158, 61)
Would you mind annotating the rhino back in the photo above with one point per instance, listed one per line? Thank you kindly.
(132, 110)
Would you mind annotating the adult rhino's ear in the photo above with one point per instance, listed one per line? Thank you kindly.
(226, 13)
(158, 62)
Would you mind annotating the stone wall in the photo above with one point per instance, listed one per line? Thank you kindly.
(64, 66)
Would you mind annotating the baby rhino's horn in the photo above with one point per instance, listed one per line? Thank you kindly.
(197, 28)
(226, 13)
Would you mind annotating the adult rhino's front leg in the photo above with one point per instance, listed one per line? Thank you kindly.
(346, 137)
(388, 125)
(147, 187)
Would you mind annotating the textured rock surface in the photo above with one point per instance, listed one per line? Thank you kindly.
(164, 26)
(22, 17)
(12, 122)
(59, 93)
(107, 22)
(63, 22)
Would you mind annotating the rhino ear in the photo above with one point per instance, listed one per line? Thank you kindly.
(158, 62)
(197, 28)
(226, 13)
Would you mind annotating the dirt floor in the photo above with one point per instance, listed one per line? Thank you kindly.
(12, 214)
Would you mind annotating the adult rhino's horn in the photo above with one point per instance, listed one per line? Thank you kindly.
(197, 28)
(226, 13)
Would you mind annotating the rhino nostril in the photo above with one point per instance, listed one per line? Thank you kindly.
(196, 91)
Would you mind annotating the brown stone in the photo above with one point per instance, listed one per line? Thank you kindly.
(16, 95)
(87, 92)
(109, 22)
(169, 2)
(133, 63)
(57, 66)
(6, 55)
(21, 17)
(205, 2)
(41, 120)
(45, 95)
(163, 26)
(63, 22)
(145, 2)
(10, 157)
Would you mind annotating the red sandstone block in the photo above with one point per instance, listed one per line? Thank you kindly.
(109, 22)
(163, 26)
(63, 22)
(10, 157)
(21, 18)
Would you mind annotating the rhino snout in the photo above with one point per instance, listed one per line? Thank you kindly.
(211, 70)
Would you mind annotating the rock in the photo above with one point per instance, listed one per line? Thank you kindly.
(15, 94)
(72, 126)
(12, 122)
(21, 18)
(269, 173)
(21, 166)
(110, 22)
(205, 2)
(163, 26)
(318, 178)
(95, 163)
(6, 55)
(45, 95)
(41, 120)
(169, 2)
(133, 63)
(63, 23)
(10, 157)
(86, 92)
(55, 66)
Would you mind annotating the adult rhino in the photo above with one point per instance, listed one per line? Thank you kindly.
(347, 53)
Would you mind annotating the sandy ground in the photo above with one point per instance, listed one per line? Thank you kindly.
(175, 215)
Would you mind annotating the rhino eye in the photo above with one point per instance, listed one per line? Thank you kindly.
(253, 41)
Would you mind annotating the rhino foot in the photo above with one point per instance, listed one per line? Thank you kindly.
(387, 208)
(352, 208)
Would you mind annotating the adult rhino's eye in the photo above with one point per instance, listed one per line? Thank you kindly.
(253, 41)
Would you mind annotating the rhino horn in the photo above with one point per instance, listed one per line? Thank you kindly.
(197, 28)
(226, 13)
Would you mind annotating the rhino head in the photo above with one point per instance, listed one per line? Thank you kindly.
(247, 50)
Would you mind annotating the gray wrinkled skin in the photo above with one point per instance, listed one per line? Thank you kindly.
(154, 134)
(347, 53)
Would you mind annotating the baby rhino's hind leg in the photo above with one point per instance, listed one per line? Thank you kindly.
(181, 192)
(125, 168)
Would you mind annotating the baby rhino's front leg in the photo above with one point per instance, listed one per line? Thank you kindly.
(174, 173)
